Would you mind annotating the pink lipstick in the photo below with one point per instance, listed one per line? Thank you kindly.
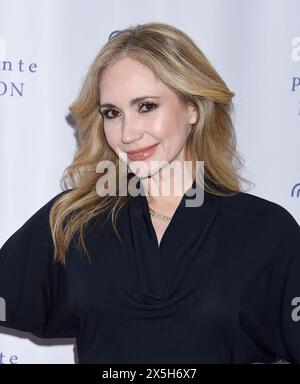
(142, 154)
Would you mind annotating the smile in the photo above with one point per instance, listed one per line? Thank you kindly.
(143, 154)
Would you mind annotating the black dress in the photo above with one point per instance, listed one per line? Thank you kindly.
(223, 287)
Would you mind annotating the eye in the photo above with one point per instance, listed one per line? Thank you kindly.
(149, 105)
(106, 112)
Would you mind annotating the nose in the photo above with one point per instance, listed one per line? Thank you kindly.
(130, 131)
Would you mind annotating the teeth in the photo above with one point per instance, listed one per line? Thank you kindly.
(144, 154)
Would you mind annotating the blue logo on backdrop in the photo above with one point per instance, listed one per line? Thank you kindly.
(4, 359)
(8, 85)
(295, 56)
(296, 190)
(112, 34)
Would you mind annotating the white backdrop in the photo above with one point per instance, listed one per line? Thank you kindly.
(46, 47)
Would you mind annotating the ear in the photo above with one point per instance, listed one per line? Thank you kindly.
(192, 113)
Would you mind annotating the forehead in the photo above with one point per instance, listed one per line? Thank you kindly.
(130, 76)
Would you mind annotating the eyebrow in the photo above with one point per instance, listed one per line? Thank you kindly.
(132, 102)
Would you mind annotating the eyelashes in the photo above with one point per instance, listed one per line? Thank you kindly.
(150, 106)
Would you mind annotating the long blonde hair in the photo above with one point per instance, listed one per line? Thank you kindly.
(177, 61)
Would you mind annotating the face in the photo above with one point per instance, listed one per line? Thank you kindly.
(157, 125)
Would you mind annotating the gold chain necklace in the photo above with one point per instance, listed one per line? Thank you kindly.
(159, 215)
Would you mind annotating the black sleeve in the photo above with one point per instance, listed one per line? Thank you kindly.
(270, 300)
(290, 304)
(33, 288)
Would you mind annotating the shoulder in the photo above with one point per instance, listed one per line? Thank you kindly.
(37, 225)
(264, 234)
(260, 214)
(40, 218)
(251, 206)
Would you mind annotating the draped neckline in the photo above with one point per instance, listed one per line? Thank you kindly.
(164, 275)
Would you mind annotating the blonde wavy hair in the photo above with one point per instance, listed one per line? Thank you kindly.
(178, 62)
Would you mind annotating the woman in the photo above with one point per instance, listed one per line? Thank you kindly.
(146, 278)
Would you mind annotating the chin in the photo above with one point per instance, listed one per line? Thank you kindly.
(143, 169)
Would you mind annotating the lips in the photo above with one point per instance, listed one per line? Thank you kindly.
(142, 154)
(141, 150)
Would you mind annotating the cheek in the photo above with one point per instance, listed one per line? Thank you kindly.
(164, 126)
(169, 126)
(112, 136)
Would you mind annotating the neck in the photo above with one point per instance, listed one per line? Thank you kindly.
(166, 190)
